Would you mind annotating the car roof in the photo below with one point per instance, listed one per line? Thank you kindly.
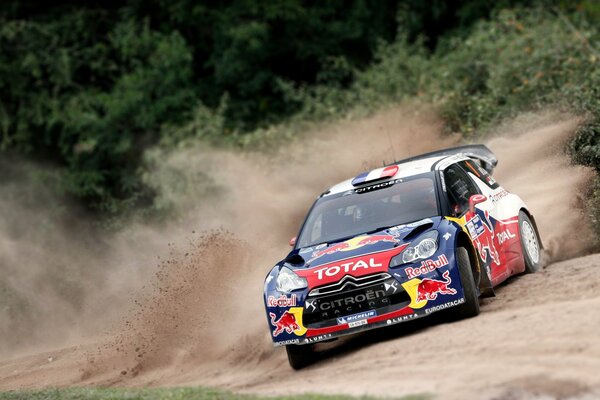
(406, 169)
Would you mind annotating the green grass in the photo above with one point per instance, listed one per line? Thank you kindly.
(197, 393)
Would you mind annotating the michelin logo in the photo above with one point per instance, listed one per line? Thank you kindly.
(356, 317)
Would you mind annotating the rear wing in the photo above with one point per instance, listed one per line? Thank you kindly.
(478, 152)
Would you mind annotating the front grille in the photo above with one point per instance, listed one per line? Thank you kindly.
(349, 282)
(324, 307)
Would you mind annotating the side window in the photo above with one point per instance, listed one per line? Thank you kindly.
(479, 172)
(460, 188)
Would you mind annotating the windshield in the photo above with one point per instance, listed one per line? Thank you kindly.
(349, 214)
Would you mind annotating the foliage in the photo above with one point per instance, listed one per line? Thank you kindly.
(96, 90)
(522, 59)
(89, 104)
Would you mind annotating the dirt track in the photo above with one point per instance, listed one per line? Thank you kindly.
(538, 337)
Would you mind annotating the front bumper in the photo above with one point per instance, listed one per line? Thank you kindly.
(357, 304)
(392, 318)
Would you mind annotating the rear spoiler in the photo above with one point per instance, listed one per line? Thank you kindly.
(479, 152)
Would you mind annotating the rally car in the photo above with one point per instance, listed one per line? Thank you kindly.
(430, 233)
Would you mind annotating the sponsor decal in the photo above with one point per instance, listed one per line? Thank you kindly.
(426, 267)
(443, 306)
(353, 244)
(281, 301)
(447, 235)
(357, 323)
(421, 291)
(289, 322)
(325, 305)
(504, 236)
(286, 342)
(318, 338)
(402, 318)
(475, 227)
(429, 289)
(497, 196)
(480, 228)
(398, 230)
(346, 267)
(377, 186)
(356, 317)
(485, 241)
(356, 266)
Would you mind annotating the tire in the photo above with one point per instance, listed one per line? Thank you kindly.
(530, 244)
(470, 308)
(300, 356)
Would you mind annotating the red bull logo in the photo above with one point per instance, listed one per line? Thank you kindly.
(290, 322)
(428, 289)
(376, 239)
(281, 301)
(353, 244)
(287, 322)
(426, 267)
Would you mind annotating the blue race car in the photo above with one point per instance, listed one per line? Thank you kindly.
(429, 233)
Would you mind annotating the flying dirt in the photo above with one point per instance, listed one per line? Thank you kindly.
(197, 318)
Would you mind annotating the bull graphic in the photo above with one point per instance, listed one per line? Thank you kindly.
(485, 243)
(287, 323)
(428, 289)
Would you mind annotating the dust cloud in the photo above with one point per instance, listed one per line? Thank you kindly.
(533, 163)
(235, 212)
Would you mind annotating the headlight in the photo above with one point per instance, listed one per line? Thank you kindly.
(287, 281)
(424, 247)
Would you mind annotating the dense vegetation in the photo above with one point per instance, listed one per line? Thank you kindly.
(88, 89)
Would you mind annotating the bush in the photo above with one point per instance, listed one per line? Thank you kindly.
(91, 104)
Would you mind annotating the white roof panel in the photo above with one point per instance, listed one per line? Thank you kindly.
(405, 170)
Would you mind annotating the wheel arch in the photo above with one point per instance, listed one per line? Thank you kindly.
(537, 232)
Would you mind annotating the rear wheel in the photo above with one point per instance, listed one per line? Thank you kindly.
(300, 356)
(530, 244)
(470, 307)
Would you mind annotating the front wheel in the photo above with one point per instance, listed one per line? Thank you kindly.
(470, 307)
(300, 356)
(530, 244)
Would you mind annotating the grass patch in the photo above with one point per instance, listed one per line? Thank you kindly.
(197, 393)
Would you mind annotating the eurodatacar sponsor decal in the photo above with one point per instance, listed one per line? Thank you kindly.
(286, 342)
(445, 305)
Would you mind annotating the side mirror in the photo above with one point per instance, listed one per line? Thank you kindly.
(474, 200)
(293, 241)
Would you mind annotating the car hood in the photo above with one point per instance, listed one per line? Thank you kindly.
(363, 244)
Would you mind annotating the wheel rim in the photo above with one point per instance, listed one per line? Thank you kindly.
(530, 240)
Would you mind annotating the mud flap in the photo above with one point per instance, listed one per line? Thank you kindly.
(485, 287)
(485, 284)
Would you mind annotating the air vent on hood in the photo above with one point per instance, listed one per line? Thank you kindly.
(418, 230)
(294, 259)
